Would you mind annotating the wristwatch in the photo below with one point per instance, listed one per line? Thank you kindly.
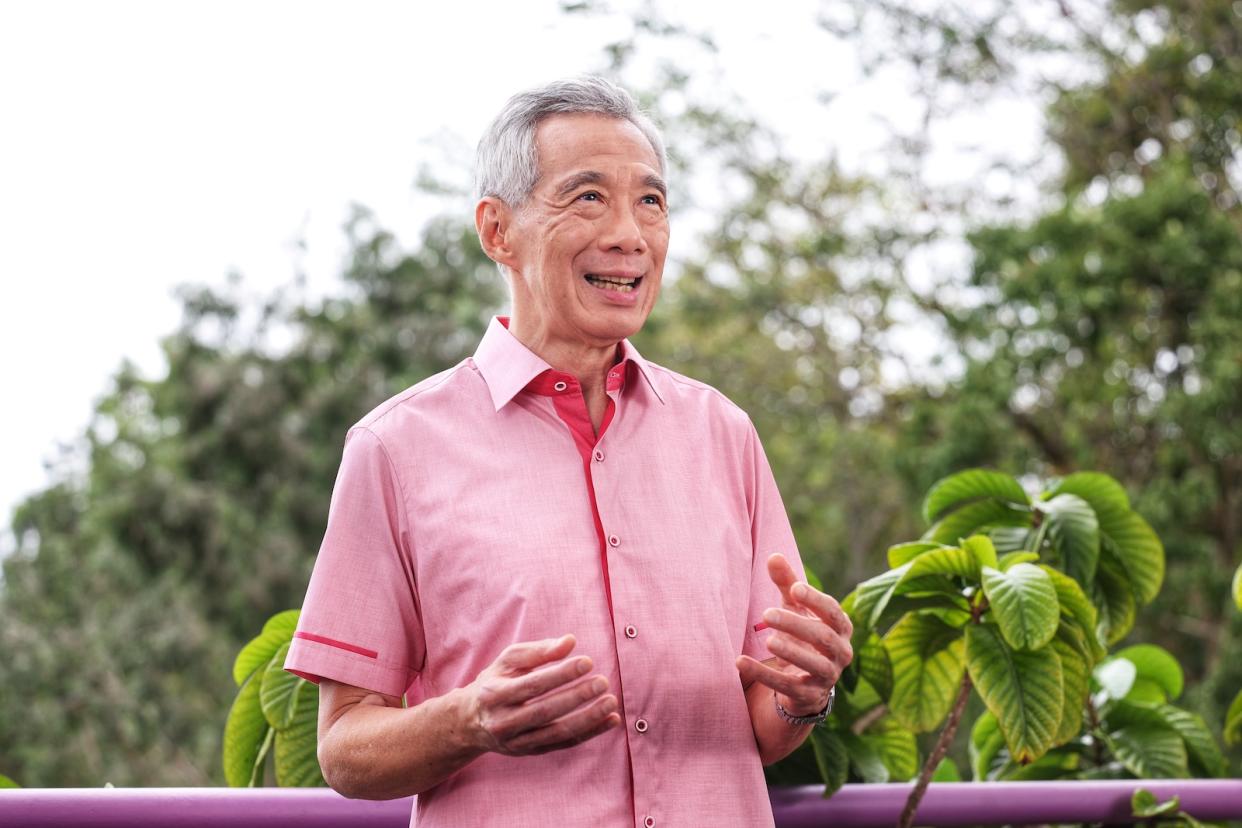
(818, 718)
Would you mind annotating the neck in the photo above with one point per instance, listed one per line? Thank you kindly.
(589, 363)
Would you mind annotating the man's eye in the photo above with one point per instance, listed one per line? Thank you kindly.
(651, 199)
(590, 196)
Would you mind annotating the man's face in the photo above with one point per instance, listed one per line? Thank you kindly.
(589, 244)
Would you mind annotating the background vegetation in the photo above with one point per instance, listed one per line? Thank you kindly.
(1099, 333)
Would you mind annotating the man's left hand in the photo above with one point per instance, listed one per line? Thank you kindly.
(811, 645)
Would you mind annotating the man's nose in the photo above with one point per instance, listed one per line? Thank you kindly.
(622, 232)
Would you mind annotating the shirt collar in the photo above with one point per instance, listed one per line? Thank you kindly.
(508, 366)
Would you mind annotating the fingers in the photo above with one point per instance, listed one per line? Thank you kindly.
(819, 634)
(533, 715)
(783, 575)
(790, 684)
(569, 730)
(825, 607)
(527, 655)
(540, 681)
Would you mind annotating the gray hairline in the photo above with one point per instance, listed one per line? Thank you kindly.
(507, 159)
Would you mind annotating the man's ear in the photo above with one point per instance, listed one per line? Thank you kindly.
(493, 222)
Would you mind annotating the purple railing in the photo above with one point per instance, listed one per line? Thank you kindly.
(854, 806)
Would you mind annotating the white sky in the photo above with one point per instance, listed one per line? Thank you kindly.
(146, 145)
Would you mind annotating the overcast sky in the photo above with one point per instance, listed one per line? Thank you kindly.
(146, 145)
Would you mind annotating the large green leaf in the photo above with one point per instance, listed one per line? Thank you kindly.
(1023, 689)
(1157, 665)
(1237, 588)
(832, 757)
(255, 655)
(1075, 534)
(867, 601)
(898, 747)
(1140, 552)
(947, 560)
(297, 765)
(1200, 744)
(1149, 752)
(5, 782)
(903, 553)
(971, 485)
(1106, 495)
(1113, 599)
(865, 758)
(927, 661)
(1071, 649)
(278, 690)
(1009, 539)
(986, 744)
(874, 665)
(1024, 604)
(1014, 558)
(983, 549)
(1074, 603)
(976, 518)
(244, 734)
(1233, 722)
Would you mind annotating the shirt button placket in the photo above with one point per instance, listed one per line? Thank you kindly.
(649, 822)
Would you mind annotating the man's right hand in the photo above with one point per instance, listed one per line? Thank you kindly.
(530, 700)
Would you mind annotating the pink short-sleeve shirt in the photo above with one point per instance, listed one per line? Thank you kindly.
(474, 510)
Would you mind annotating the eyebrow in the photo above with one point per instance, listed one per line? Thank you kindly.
(593, 177)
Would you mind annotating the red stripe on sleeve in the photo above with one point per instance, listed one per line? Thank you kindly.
(332, 642)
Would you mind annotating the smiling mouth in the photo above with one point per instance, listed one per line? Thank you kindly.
(617, 283)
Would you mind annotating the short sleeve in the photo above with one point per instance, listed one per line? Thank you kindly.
(770, 532)
(360, 623)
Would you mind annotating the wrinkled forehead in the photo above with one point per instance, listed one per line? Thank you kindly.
(566, 144)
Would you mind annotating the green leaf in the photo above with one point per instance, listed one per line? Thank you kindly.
(1008, 539)
(832, 757)
(1140, 552)
(297, 765)
(946, 771)
(874, 665)
(1146, 690)
(278, 691)
(244, 732)
(1075, 534)
(1114, 600)
(903, 553)
(976, 518)
(1156, 664)
(1106, 495)
(1144, 804)
(867, 601)
(983, 550)
(973, 484)
(5, 782)
(255, 655)
(1116, 677)
(1149, 752)
(1200, 745)
(1024, 603)
(1012, 558)
(1237, 588)
(1023, 689)
(812, 578)
(1071, 649)
(986, 744)
(1074, 604)
(1233, 722)
(926, 655)
(947, 560)
(898, 747)
(865, 758)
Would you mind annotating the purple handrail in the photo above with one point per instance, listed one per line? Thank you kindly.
(854, 806)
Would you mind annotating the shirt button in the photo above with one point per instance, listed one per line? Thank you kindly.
(599, 456)
(641, 725)
(560, 386)
(631, 631)
(649, 822)
(613, 540)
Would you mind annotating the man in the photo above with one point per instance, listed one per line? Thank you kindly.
(557, 551)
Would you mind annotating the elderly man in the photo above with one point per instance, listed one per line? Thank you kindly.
(561, 554)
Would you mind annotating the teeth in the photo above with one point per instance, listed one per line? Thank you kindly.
(619, 285)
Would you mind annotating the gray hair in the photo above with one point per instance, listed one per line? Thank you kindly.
(507, 160)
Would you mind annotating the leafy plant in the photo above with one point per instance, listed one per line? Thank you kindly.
(5, 782)
(1233, 718)
(273, 708)
(1018, 598)
(1145, 805)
